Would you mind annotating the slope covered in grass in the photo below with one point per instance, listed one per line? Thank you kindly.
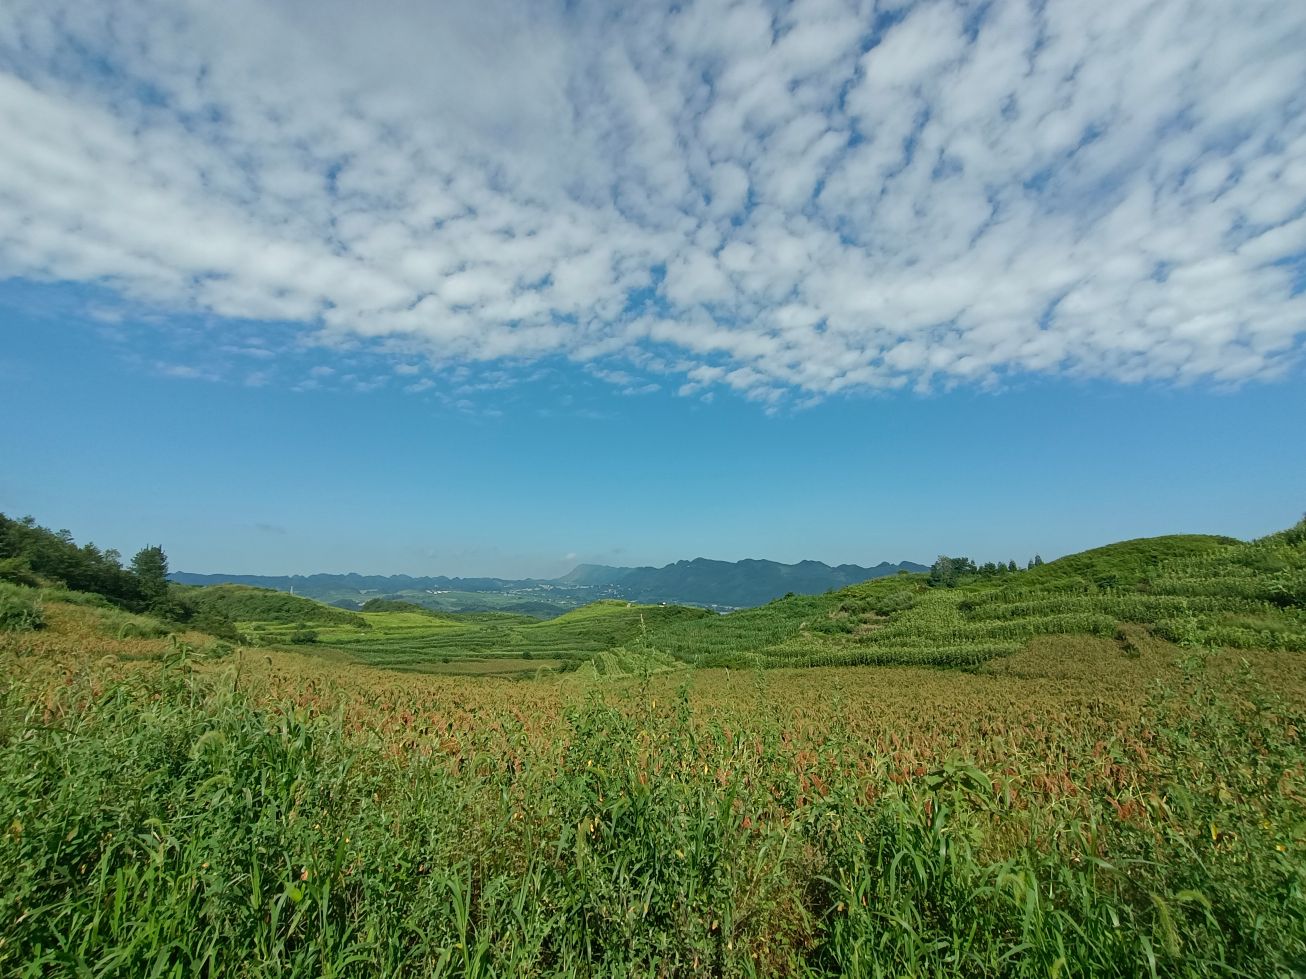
(1195, 590)
(243, 603)
(1124, 563)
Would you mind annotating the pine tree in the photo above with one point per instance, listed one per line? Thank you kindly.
(150, 566)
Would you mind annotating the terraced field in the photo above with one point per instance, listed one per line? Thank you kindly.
(482, 642)
(1192, 590)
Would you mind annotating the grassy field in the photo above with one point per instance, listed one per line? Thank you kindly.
(1082, 799)
(431, 642)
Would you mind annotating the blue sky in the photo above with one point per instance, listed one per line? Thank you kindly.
(493, 288)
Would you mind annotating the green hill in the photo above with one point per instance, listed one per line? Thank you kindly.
(1194, 590)
(244, 603)
(394, 605)
(1125, 563)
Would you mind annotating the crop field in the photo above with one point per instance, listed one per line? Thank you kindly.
(1113, 783)
(435, 643)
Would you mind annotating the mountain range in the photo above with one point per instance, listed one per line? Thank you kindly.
(728, 583)
(719, 584)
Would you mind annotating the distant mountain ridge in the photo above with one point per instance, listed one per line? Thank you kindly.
(310, 584)
(729, 583)
(726, 584)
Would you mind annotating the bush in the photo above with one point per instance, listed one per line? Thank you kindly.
(19, 609)
(303, 637)
(18, 570)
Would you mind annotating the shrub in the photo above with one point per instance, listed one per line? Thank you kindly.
(18, 570)
(19, 609)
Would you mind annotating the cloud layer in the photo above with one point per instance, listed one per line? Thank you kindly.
(808, 198)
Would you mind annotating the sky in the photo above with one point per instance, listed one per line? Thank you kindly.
(493, 288)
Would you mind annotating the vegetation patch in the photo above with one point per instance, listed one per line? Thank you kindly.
(280, 815)
(242, 603)
(19, 609)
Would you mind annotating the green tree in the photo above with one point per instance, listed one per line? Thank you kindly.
(150, 566)
(943, 573)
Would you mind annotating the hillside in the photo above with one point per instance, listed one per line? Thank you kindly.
(1194, 590)
(1201, 591)
(244, 603)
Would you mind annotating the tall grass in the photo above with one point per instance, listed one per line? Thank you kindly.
(168, 824)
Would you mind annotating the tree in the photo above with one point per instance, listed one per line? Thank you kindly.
(943, 572)
(1011, 565)
(150, 566)
(1037, 560)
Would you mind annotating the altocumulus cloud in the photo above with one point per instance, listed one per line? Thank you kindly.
(779, 199)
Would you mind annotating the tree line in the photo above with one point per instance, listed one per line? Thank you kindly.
(947, 571)
(37, 556)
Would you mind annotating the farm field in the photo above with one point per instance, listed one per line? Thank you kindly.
(1095, 767)
(409, 638)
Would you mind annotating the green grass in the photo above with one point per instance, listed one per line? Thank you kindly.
(169, 825)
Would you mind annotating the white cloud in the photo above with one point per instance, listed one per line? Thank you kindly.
(744, 194)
